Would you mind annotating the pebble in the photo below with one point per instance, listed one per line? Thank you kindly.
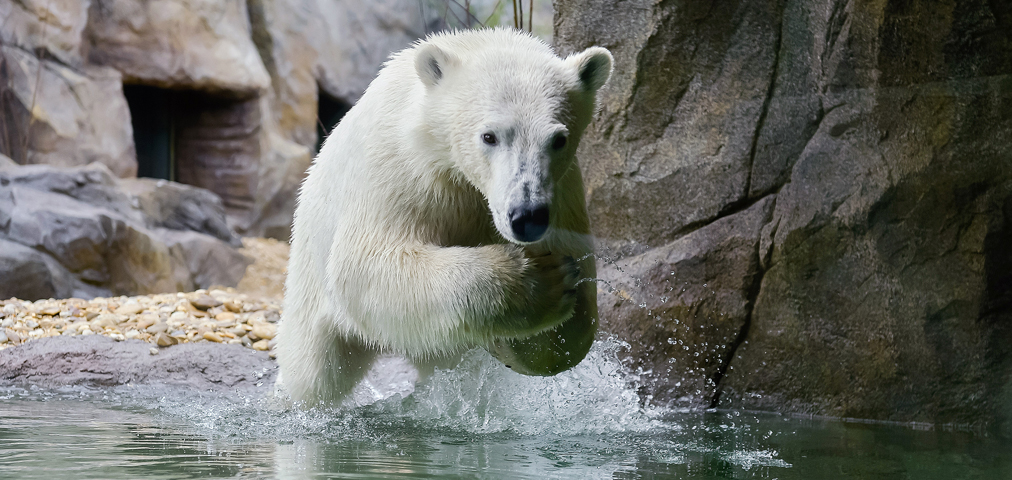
(219, 315)
(153, 351)
(129, 309)
(205, 302)
(163, 340)
(263, 331)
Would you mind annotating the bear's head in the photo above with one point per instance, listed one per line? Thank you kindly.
(509, 114)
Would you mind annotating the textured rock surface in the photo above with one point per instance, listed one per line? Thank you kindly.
(686, 303)
(879, 131)
(95, 238)
(61, 115)
(196, 44)
(99, 361)
(241, 82)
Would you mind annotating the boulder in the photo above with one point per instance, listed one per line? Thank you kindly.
(53, 26)
(84, 234)
(880, 286)
(193, 44)
(686, 305)
(54, 114)
(313, 46)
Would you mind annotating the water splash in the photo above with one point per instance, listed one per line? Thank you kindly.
(481, 395)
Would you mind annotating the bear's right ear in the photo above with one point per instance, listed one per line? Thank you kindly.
(431, 62)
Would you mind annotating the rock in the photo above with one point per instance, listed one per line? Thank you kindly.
(686, 304)
(66, 116)
(210, 261)
(86, 236)
(38, 275)
(212, 337)
(261, 345)
(163, 340)
(55, 26)
(205, 302)
(879, 134)
(98, 361)
(191, 44)
(176, 206)
(264, 331)
(130, 309)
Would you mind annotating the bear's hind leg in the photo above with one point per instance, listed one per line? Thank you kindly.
(321, 369)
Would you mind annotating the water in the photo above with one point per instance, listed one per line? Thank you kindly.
(479, 420)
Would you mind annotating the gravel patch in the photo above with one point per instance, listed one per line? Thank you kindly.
(212, 316)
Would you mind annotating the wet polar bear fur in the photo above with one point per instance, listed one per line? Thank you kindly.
(417, 230)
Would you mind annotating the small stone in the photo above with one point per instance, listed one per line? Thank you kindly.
(179, 316)
(213, 337)
(234, 306)
(131, 334)
(238, 331)
(153, 351)
(205, 302)
(246, 342)
(32, 324)
(132, 308)
(163, 340)
(159, 327)
(264, 331)
(3, 338)
(108, 320)
(225, 317)
(260, 345)
(90, 315)
(50, 311)
(234, 341)
(146, 320)
(118, 337)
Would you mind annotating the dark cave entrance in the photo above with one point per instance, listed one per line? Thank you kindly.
(152, 118)
(329, 112)
(207, 140)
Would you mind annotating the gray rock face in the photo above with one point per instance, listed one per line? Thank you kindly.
(194, 44)
(52, 113)
(79, 232)
(244, 79)
(881, 284)
(99, 361)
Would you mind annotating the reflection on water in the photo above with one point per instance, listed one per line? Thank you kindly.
(479, 420)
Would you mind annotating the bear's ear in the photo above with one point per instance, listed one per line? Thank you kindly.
(593, 66)
(431, 63)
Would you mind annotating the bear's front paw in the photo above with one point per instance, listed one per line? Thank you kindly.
(553, 289)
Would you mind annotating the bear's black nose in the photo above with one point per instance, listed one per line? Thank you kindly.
(529, 224)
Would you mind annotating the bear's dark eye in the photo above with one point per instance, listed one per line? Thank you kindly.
(559, 142)
(489, 138)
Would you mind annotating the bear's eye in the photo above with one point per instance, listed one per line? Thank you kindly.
(489, 138)
(559, 142)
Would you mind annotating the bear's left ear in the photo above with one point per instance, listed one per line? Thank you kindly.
(431, 63)
(593, 67)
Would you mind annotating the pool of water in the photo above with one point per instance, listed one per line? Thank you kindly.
(478, 420)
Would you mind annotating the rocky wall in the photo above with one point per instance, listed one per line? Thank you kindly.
(812, 201)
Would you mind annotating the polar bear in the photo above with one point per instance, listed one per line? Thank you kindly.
(446, 211)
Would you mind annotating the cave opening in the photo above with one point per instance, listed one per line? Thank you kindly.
(151, 115)
(204, 139)
(329, 112)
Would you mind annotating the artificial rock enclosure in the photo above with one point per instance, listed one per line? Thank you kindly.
(222, 94)
(813, 200)
(802, 206)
